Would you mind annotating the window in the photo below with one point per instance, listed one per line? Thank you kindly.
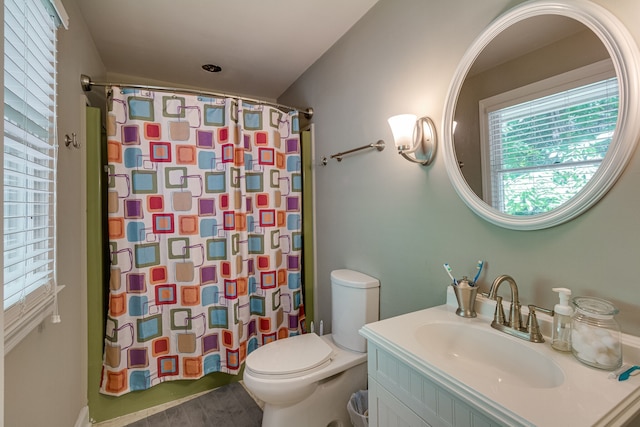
(29, 159)
(542, 143)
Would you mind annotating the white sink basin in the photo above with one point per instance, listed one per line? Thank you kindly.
(495, 356)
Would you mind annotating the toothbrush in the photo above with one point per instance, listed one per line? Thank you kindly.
(480, 265)
(448, 270)
(634, 370)
(615, 374)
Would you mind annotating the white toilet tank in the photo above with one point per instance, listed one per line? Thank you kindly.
(355, 300)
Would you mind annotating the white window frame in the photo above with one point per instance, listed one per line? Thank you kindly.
(582, 76)
(21, 317)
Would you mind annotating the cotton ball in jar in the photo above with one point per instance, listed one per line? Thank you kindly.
(605, 359)
(595, 334)
(610, 342)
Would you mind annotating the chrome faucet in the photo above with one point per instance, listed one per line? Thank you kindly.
(530, 331)
(514, 313)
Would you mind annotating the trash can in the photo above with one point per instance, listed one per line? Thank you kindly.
(358, 408)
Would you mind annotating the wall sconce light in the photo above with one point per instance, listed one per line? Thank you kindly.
(415, 138)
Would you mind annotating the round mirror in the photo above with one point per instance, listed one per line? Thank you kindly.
(541, 115)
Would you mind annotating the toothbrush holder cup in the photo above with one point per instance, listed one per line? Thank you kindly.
(466, 297)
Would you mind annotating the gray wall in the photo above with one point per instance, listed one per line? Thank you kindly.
(46, 374)
(400, 222)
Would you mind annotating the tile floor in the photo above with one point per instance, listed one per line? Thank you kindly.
(226, 406)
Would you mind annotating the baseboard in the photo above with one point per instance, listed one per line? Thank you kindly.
(83, 418)
(127, 419)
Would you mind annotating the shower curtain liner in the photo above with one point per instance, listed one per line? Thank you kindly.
(205, 235)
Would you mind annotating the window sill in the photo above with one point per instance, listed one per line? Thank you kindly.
(34, 317)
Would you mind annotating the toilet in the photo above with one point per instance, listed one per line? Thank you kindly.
(308, 379)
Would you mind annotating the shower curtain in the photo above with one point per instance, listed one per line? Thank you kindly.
(205, 235)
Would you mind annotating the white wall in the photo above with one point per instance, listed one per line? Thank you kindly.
(400, 222)
(46, 374)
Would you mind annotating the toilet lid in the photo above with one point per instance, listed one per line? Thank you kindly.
(290, 355)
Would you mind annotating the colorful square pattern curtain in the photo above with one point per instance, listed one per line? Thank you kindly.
(205, 235)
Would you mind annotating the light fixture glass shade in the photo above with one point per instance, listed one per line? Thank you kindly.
(402, 127)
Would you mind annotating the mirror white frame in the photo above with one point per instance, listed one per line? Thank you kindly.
(626, 60)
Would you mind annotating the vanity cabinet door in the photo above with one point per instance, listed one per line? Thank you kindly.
(389, 411)
(398, 384)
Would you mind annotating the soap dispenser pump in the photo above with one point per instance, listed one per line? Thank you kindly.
(562, 312)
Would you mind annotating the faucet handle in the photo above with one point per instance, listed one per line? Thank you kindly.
(532, 326)
(498, 316)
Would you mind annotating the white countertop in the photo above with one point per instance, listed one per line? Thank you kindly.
(586, 397)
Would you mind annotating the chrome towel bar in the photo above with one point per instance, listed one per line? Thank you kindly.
(338, 156)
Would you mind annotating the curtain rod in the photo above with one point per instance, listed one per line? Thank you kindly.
(87, 83)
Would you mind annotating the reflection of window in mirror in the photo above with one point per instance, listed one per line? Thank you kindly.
(541, 143)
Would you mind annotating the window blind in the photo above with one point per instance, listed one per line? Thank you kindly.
(30, 157)
(543, 151)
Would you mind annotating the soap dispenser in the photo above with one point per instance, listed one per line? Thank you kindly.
(562, 312)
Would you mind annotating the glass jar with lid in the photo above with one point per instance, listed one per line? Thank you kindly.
(595, 334)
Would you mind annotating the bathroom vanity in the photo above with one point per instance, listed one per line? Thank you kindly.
(434, 368)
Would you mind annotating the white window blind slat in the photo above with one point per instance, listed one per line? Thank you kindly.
(14, 225)
(32, 146)
(23, 171)
(30, 161)
(27, 276)
(39, 236)
(33, 215)
(28, 89)
(541, 120)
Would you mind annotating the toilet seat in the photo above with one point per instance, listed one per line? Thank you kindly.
(290, 357)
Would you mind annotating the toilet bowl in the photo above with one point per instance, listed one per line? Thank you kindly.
(316, 394)
(307, 380)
